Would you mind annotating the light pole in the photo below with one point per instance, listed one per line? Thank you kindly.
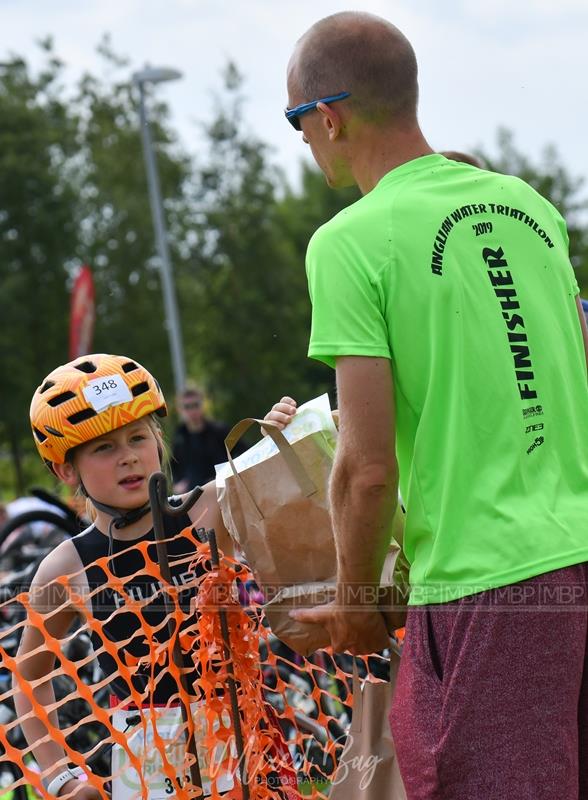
(141, 78)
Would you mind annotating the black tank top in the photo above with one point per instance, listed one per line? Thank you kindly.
(118, 624)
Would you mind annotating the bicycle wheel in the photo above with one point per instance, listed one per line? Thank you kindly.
(70, 527)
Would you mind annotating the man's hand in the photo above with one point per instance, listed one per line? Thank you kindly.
(360, 629)
(283, 412)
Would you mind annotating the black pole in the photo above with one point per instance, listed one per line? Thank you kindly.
(160, 505)
(215, 560)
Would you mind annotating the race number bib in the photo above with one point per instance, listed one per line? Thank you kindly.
(111, 390)
(127, 783)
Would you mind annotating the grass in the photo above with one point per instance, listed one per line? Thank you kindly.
(307, 788)
(9, 795)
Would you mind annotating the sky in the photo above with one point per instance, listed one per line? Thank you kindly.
(517, 63)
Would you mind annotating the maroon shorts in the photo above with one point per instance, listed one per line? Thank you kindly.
(492, 695)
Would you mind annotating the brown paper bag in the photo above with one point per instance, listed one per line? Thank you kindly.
(367, 767)
(277, 511)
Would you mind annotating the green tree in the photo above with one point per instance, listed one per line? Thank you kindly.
(551, 179)
(73, 189)
(246, 280)
(38, 239)
(300, 213)
(114, 217)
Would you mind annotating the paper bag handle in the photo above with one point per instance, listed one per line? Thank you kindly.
(304, 481)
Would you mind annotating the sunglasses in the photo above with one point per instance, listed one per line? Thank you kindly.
(293, 114)
(192, 405)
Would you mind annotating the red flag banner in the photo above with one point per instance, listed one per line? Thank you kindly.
(83, 314)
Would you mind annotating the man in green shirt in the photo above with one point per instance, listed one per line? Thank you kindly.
(445, 300)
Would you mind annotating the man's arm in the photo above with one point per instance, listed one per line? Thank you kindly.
(364, 481)
(584, 327)
(363, 493)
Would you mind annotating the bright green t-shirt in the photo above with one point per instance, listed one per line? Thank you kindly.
(461, 278)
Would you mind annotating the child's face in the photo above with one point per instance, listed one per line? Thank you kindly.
(115, 468)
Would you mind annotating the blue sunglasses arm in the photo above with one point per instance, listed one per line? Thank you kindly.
(304, 107)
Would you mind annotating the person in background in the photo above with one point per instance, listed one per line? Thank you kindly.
(198, 443)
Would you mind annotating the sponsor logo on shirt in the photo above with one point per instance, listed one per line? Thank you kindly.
(537, 443)
(532, 411)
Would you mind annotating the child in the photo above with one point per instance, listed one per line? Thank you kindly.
(95, 424)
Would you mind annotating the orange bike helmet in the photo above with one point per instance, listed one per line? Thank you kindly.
(89, 397)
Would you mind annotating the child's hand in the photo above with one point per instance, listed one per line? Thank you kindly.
(283, 412)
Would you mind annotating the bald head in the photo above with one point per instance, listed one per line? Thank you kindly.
(361, 54)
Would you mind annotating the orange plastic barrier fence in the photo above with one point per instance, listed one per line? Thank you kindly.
(293, 711)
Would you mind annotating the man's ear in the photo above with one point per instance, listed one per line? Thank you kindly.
(67, 473)
(331, 120)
